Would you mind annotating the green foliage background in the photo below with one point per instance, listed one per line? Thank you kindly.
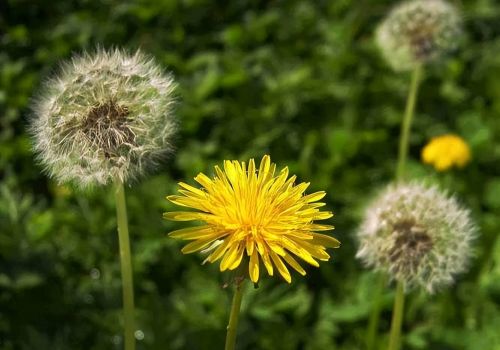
(299, 80)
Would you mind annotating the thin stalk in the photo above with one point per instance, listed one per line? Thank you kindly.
(397, 318)
(375, 314)
(126, 266)
(400, 173)
(233, 317)
(407, 121)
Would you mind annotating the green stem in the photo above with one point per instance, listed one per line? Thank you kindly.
(126, 266)
(397, 317)
(375, 314)
(400, 173)
(407, 121)
(233, 317)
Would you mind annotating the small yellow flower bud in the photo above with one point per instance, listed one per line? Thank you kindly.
(446, 151)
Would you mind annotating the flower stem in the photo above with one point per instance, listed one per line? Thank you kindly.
(407, 121)
(233, 317)
(375, 314)
(397, 312)
(126, 265)
(400, 173)
(397, 317)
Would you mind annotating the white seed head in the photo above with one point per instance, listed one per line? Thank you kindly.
(104, 116)
(418, 31)
(417, 235)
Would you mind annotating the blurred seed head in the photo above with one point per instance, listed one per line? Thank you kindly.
(418, 31)
(106, 115)
(416, 234)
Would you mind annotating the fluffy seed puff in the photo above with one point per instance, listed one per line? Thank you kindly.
(416, 234)
(105, 116)
(417, 32)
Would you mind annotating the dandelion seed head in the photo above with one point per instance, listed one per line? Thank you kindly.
(417, 235)
(418, 31)
(106, 115)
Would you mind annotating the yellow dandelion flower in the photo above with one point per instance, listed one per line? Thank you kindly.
(252, 214)
(446, 151)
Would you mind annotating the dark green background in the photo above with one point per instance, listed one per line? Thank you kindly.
(299, 80)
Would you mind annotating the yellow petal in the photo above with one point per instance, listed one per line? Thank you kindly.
(238, 258)
(189, 202)
(299, 251)
(231, 172)
(264, 167)
(185, 216)
(325, 241)
(250, 245)
(279, 181)
(316, 205)
(318, 227)
(221, 175)
(267, 177)
(218, 252)
(293, 263)
(260, 246)
(267, 262)
(193, 190)
(203, 180)
(253, 267)
(316, 251)
(313, 197)
(323, 215)
(251, 168)
(305, 235)
(277, 248)
(281, 267)
(229, 257)
(196, 245)
(193, 232)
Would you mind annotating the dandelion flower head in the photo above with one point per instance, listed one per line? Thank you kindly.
(104, 116)
(446, 151)
(418, 31)
(250, 215)
(416, 234)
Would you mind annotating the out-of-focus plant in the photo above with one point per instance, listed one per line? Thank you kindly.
(413, 34)
(446, 151)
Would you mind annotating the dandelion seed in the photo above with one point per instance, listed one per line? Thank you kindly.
(418, 31)
(417, 235)
(253, 215)
(446, 151)
(105, 116)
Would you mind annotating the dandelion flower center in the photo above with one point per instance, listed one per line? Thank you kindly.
(421, 43)
(106, 125)
(411, 243)
(253, 214)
